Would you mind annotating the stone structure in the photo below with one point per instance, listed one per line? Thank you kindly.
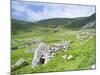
(43, 53)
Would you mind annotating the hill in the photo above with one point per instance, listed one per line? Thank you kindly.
(91, 22)
(71, 23)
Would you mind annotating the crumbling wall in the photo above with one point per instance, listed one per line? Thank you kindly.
(43, 53)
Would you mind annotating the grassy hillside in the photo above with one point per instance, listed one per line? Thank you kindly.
(17, 25)
(72, 23)
(53, 31)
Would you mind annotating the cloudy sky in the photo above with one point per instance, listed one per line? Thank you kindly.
(32, 11)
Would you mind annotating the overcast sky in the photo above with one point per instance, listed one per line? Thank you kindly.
(32, 11)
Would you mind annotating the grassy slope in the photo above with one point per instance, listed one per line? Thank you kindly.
(20, 26)
(84, 54)
(83, 51)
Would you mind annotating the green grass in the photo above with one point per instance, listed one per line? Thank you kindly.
(53, 31)
(84, 53)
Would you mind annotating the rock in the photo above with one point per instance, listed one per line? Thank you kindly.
(93, 66)
(20, 63)
(70, 57)
(64, 56)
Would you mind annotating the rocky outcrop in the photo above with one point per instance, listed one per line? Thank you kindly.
(20, 63)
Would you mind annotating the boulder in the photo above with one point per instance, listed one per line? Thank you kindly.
(70, 57)
(20, 63)
(93, 66)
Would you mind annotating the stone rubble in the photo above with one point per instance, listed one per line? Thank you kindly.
(83, 35)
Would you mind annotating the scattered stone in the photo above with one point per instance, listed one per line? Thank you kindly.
(64, 56)
(70, 57)
(36, 41)
(93, 66)
(84, 35)
(20, 61)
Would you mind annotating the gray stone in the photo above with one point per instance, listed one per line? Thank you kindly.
(21, 62)
(70, 57)
(93, 66)
(64, 56)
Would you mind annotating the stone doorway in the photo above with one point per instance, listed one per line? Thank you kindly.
(42, 60)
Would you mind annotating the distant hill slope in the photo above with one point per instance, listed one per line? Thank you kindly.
(91, 21)
(62, 22)
(18, 25)
(67, 22)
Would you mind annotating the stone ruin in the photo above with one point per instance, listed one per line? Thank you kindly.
(43, 53)
(83, 35)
